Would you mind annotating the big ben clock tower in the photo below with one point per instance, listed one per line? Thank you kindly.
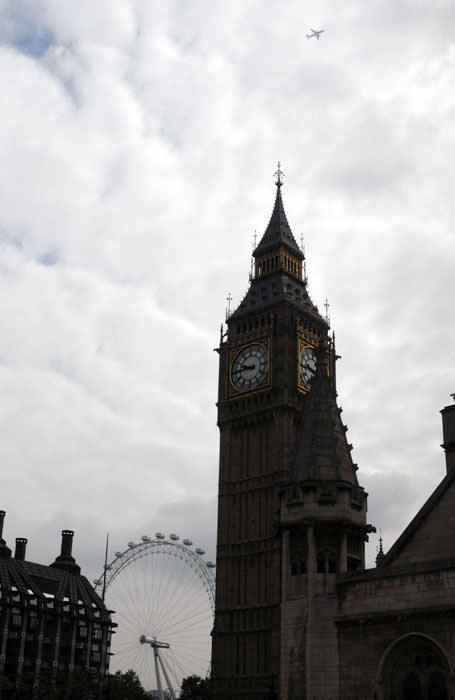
(291, 513)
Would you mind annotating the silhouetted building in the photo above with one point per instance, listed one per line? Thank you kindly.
(297, 615)
(52, 622)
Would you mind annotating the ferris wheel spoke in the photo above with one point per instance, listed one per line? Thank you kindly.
(125, 609)
(187, 626)
(161, 589)
(126, 659)
(186, 595)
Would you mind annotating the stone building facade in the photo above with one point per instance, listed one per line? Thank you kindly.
(297, 614)
(396, 622)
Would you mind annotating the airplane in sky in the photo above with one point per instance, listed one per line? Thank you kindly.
(315, 33)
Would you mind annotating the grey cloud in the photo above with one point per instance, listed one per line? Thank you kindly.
(138, 156)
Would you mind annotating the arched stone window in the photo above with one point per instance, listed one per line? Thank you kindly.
(326, 562)
(415, 669)
(437, 685)
(298, 552)
(298, 564)
(412, 687)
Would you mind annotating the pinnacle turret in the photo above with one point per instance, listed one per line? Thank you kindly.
(380, 555)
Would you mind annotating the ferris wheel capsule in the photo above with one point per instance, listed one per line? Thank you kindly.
(161, 575)
(145, 538)
(188, 543)
(210, 564)
(174, 537)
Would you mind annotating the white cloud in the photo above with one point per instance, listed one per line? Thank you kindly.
(138, 142)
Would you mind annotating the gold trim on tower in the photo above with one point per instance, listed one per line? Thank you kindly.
(306, 363)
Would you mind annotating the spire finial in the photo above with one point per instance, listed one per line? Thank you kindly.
(228, 309)
(327, 309)
(279, 175)
(380, 555)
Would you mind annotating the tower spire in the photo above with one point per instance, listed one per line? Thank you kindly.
(277, 265)
(279, 176)
(278, 232)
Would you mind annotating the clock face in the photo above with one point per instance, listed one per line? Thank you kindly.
(307, 365)
(250, 367)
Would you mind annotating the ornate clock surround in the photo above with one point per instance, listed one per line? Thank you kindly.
(235, 390)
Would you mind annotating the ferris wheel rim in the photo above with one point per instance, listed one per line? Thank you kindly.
(148, 546)
(198, 570)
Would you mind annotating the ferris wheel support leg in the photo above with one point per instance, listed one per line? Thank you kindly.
(169, 685)
(157, 673)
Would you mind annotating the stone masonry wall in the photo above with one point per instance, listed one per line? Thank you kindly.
(378, 611)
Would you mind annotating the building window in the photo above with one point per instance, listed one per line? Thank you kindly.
(353, 564)
(33, 621)
(411, 686)
(298, 565)
(437, 686)
(354, 544)
(326, 562)
(416, 669)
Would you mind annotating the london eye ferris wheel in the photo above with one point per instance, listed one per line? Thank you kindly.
(161, 589)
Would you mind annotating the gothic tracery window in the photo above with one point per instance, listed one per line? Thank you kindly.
(416, 669)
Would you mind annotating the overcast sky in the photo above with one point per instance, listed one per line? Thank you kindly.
(138, 142)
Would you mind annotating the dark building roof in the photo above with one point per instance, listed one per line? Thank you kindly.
(49, 587)
(265, 291)
(427, 510)
(54, 586)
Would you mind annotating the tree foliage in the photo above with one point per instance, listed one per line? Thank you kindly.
(125, 686)
(79, 685)
(195, 688)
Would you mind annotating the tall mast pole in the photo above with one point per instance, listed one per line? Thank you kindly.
(105, 568)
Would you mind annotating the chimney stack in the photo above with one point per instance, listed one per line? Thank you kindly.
(65, 560)
(5, 551)
(67, 543)
(448, 434)
(21, 545)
